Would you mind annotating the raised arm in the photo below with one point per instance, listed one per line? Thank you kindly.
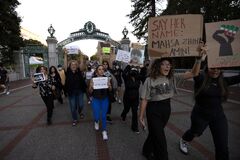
(202, 49)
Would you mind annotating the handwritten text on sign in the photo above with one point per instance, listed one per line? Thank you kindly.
(123, 56)
(176, 35)
(100, 83)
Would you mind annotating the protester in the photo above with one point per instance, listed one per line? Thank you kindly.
(132, 83)
(4, 80)
(211, 89)
(56, 79)
(100, 101)
(88, 75)
(62, 74)
(117, 72)
(46, 88)
(108, 73)
(144, 71)
(157, 91)
(75, 87)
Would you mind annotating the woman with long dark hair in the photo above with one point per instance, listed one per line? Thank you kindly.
(56, 79)
(157, 91)
(211, 89)
(46, 89)
(108, 73)
(100, 101)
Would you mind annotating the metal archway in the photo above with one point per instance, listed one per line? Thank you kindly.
(88, 32)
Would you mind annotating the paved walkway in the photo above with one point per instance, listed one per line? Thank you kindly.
(24, 134)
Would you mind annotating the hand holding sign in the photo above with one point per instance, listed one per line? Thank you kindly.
(202, 49)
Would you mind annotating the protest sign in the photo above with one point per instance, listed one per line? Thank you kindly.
(223, 41)
(174, 35)
(123, 56)
(137, 56)
(39, 77)
(100, 83)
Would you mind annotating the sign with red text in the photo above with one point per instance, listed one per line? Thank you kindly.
(174, 35)
(223, 41)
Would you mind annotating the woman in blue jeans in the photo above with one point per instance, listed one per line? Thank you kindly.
(75, 87)
(100, 100)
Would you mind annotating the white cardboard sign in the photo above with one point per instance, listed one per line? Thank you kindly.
(100, 82)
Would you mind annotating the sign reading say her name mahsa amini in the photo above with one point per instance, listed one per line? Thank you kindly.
(174, 35)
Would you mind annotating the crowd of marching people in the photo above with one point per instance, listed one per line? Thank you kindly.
(147, 91)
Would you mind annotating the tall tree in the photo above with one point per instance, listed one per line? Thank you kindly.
(212, 10)
(140, 14)
(10, 35)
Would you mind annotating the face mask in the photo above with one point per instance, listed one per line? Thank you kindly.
(117, 67)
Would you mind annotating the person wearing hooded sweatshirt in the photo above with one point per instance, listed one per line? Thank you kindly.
(132, 83)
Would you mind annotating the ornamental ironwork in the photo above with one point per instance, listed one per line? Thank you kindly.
(89, 32)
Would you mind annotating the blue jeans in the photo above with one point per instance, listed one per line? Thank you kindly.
(100, 106)
(75, 103)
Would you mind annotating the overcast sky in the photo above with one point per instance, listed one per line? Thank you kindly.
(69, 16)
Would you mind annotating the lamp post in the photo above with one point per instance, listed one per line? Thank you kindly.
(51, 30)
(125, 32)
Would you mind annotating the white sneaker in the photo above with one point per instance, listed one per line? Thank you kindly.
(96, 126)
(7, 93)
(119, 101)
(183, 146)
(105, 136)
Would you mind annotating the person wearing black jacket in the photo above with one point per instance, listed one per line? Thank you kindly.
(132, 82)
(75, 87)
(211, 89)
(46, 89)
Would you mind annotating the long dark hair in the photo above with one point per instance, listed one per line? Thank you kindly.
(155, 68)
(56, 72)
(208, 80)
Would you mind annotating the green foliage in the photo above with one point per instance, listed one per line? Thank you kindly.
(32, 42)
(212, 10)
(139, 16)
(10, 35)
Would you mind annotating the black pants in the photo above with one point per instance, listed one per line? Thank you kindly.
(48, 100)
(216, 119)
(158, 114)
(133, 104)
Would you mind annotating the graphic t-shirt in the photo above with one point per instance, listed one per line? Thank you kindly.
(160, 88)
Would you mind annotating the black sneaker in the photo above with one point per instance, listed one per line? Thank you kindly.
(136, 131)
(81, 116)
(149, 156)
(109, 119)
(74, 123)
(49, 122)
